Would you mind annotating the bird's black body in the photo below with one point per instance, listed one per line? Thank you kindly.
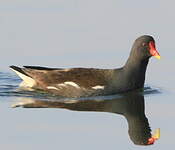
(77, 82)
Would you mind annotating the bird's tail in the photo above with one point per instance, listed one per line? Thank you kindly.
(28, 81)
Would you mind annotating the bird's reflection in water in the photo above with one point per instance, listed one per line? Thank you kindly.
(131, 106)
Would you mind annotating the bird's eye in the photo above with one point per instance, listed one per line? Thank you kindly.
(144, 44)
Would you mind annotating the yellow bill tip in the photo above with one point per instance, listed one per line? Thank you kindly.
(156, 134)
(157, 56)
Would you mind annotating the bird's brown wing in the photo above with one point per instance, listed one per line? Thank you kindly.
(84, 77)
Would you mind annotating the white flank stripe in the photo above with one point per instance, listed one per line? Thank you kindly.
(71, 101)
(61, 84)
(98, 87)
(72, 84)
(52, 88)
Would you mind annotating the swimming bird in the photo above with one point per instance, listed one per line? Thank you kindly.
(84, 82)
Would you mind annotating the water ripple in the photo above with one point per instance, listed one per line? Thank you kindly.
(9, 88)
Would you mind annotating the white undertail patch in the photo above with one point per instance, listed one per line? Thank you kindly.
(98, 87)
(27, 81)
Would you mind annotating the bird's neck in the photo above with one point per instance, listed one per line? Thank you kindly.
(136, 64)
(135, 70)
(136, 60)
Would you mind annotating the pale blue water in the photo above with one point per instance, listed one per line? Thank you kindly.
(83, 123)
(84, 34)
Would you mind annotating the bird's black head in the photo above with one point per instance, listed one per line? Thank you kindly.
(144, 47)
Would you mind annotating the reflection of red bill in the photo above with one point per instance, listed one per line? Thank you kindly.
(154, 137)
(153, 50)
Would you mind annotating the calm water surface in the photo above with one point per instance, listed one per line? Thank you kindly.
(111, 122)
(85, 34)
